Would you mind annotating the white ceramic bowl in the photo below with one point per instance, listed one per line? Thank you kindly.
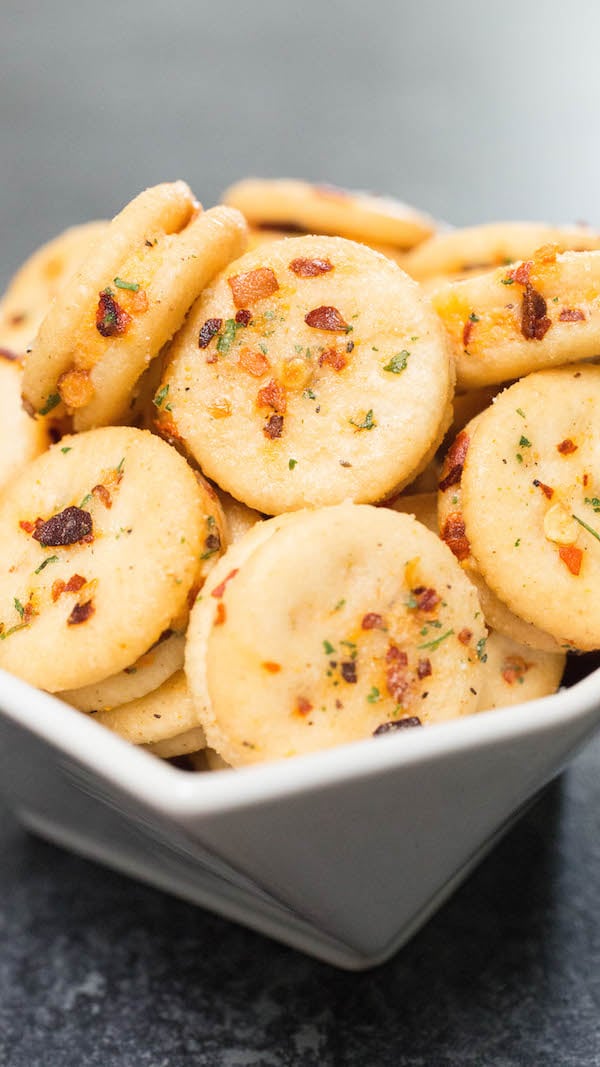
(343, 854)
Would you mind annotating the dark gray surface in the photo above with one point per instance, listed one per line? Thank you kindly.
(97, 971)
(472, 111)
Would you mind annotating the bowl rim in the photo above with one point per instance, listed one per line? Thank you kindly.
(181, 794)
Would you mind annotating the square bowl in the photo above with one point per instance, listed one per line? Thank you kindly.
(343, 854)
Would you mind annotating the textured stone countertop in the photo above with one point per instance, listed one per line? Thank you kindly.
(99, 971)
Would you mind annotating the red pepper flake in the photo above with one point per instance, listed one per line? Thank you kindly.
(252, 286)
(534, 320)
(17, 318)
(310, 268)
(274, 427)
(111, 319)
(454, 461)
(243, 317)
(586, 479)
(272, 395)
(522, 273)
(102, 494)
(272, 668)
(467, 331)
(66, 528)
(254, 363)
(326, 318)
(348, 671)
(426, 598)
(29, 527)
(220, 589)
(572, 557)
(397, 724)
(220, 614)
(81, 613)
(303, 706)
(465, 636)
(572, 315)
(424, 668)
(453, 533)
(74, 584)
(514, 669)
(566, 447)
(333, 358)
(372, 621)
(546, 489)
(397, 678)
(208, 331)
(7, 353)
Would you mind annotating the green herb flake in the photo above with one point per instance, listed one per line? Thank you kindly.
(264, 348)
(589, 529)
(339, 605)
(412, 602)
(161, 396)
(13, 630)
(85, 500)
(120, 467)
(524, 443)
(52, 402)
(120, 284)
(328, 648)
(374, 696)
(521, 412)
(368, 422)
(19, 607)
(593, 501)
(507, 281)
(309, 395)
(65, 450)
(519, 457)
(517, 542)
(45, 562)
(398, 362)
(229, 334)
(210, 552)
(292, 463)
(473, 317)
(437, 642)
(481, 652)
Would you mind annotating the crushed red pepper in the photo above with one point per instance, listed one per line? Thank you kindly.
(303, 706)
(272, 668)
(572, 315)
(102, 494)
(210, 328)
(464, 636)
(111, 319)
(255, 363)
(326, 318)
(67, 527)
(243, 317)
(81, 613)
(547, 490)
(566, 447)
(426, 599)
(424, 668)
(453, 533)
(220, 589)
(454, 461)
(333, 358)
(514, 669)
(220, 614)
(396, 675)
(272, 395)
(252, 286)
(273, 428)
(534, 320)
(310, 268)
(467, 331)
(571, 557)
(74, 584)
(372, 621)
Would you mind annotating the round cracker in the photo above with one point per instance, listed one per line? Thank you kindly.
(492, 244)
(21, 438)
(125, 302)
(36, 284)
(514, 673)
(332, 628)
(75, 613)
(453, 531)
(190, 741)
(142, 677)
(296, 205)
(529, 496)
(239, 518)
(160, 716)
(510, 322)
(334, 382)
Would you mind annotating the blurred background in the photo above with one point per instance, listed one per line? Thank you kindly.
(472, 111)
